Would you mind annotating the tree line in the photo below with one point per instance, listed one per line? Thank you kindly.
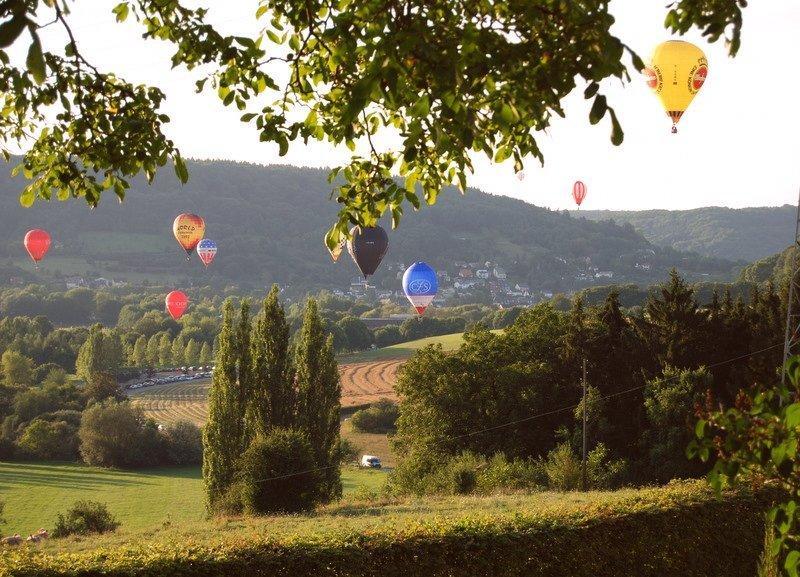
(518, 394)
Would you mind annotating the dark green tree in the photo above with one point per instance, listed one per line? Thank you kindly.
(271, 399)
(223, 434)
(318, 399)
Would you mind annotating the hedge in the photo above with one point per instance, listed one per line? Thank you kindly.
(680, 531)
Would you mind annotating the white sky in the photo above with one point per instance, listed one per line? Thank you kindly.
(737, 144)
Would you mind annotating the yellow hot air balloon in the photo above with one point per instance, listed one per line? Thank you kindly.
(676, 73)
(189, 230)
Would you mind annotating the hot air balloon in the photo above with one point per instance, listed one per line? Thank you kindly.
(206, 250)
(676, 73)
(420, 285)
(176, 304)
(188, 230)
(578, 192)
(368, 246)
(520, 176)
(336, 251)
(37, 243)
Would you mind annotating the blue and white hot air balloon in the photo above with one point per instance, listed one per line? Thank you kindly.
(420, 285)
(206, 250)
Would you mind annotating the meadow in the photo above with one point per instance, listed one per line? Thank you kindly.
(34, 493)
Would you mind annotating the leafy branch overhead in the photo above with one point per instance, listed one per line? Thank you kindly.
(440, 78)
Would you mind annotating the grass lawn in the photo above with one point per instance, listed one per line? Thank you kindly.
(34, 493)
(404, 350)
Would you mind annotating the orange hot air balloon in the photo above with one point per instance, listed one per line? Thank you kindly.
(189, 229)
(176, 304)
(37, 243)
(578, 193)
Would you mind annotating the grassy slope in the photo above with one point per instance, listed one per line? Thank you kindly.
(404, 350)
(34, 493)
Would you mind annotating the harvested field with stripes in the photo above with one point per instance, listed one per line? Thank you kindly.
(362, 383)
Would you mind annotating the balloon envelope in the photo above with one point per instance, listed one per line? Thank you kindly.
(37, 243)
(368, 246)
(176, 304)
(578, 192)
(188, 230)
(676, 73)
(206, 250)
(420, 285)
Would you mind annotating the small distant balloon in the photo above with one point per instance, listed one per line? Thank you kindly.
(676, 73)
(176, 304)
(368, 246)
(188, 229)
(206, 251)
(37, 243)
(520, 176)
(420, 285)
(578, 192)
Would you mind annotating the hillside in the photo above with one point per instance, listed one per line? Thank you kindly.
(744, 234)
(269, 223)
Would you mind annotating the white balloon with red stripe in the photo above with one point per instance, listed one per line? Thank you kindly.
(420, 285)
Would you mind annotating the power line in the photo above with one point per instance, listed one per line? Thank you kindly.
(538, 415)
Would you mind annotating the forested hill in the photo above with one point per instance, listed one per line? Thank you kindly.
(269, 223)
(743, 234)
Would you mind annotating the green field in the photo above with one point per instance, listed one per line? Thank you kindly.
(404, 350)
(34, 493)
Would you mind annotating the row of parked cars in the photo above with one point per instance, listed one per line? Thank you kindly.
(185, 374)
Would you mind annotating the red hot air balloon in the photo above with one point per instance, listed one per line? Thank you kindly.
(579, 193)
(176, 303)
(37, 243)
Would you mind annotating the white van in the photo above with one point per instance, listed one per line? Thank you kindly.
(370, 462)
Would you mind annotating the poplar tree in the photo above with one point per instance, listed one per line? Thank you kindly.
(318, 406)
(206, 356)
(140, 352)
(223, 435)
(164, 350)
(271, 399)
(192, 352)
(152, 351)
(178, 346)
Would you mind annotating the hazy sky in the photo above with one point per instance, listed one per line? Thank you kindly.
(737, 144)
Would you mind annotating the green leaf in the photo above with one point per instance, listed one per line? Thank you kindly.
(792, 560)
(121, 10)
(35, 60)
(700, 429)
(591, 90)
(598, 110)
(792, 418)
(617, 135)
(27, 197)
(11, 29)
(180, 170)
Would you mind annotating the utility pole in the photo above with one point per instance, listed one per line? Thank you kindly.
(791, 341)
(584, 480)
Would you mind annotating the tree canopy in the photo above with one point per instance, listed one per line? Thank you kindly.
(443, 76)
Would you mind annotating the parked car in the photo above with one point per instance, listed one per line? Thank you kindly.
(370, 462)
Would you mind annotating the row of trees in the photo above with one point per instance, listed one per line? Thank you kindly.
(272, 407)
(160, 350)
(647, 370)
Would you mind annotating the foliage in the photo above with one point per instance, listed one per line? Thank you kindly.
(757, 440)
(184, 443)
(277, 473)
(54, 440)
(319, 399)
(223, 435)
(679, 530)
(380, 417)
(116, 434)
(102, 352)
(563, 469)
(17, 368)
(84, 518)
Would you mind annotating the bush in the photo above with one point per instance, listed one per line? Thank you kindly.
(85, 517)
(284, 457)
(380, 417)
(116, 434)
(682, 530)
(564, 471)
(501, 475)
(184, 443)
(388, 336)
(49, 440)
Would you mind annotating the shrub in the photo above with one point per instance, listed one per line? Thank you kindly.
(682, 530)
(49, 440)
(277, 474)
(116, 434)
(564, 471)
(348, 452)
(184, 443)
(83, 518)
(380, 417)
(388, 336)
(501, 474)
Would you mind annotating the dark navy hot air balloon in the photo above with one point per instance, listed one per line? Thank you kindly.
(368, 246)
(420, 285)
